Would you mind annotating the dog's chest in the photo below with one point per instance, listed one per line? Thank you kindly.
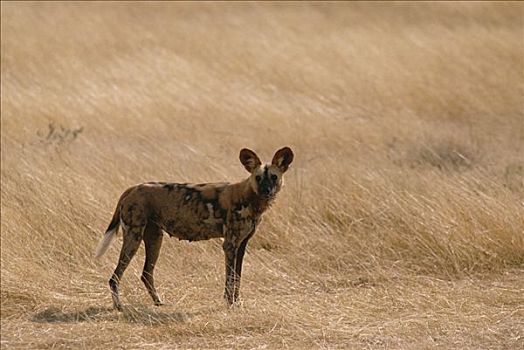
(242, 221)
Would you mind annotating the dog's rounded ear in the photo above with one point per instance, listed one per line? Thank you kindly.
(249, 159)
(282, 158)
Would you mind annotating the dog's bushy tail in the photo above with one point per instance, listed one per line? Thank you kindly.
(106, 241)
(111, 231)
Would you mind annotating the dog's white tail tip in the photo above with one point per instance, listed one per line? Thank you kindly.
(104, 243)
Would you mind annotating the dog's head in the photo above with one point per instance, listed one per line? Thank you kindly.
(266, 179)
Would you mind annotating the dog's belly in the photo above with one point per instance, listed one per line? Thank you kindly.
(192, 230)
(187, 214)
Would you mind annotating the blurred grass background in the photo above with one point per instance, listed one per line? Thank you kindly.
(401, 223)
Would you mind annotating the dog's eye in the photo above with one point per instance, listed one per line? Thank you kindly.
(258, 178)
(274, 177)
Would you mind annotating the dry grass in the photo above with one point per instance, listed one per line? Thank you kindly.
(401, 223)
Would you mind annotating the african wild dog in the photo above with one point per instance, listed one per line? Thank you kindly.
(194, 213)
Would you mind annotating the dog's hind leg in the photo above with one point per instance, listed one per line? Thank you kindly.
(132, 239)
(153, 242)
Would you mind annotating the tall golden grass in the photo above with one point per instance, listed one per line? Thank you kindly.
(401, 223)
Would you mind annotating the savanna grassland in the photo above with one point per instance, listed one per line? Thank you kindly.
(401, 225)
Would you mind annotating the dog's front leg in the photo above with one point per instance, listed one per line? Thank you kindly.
(230, 252)
(238, 269)
(238, 264)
